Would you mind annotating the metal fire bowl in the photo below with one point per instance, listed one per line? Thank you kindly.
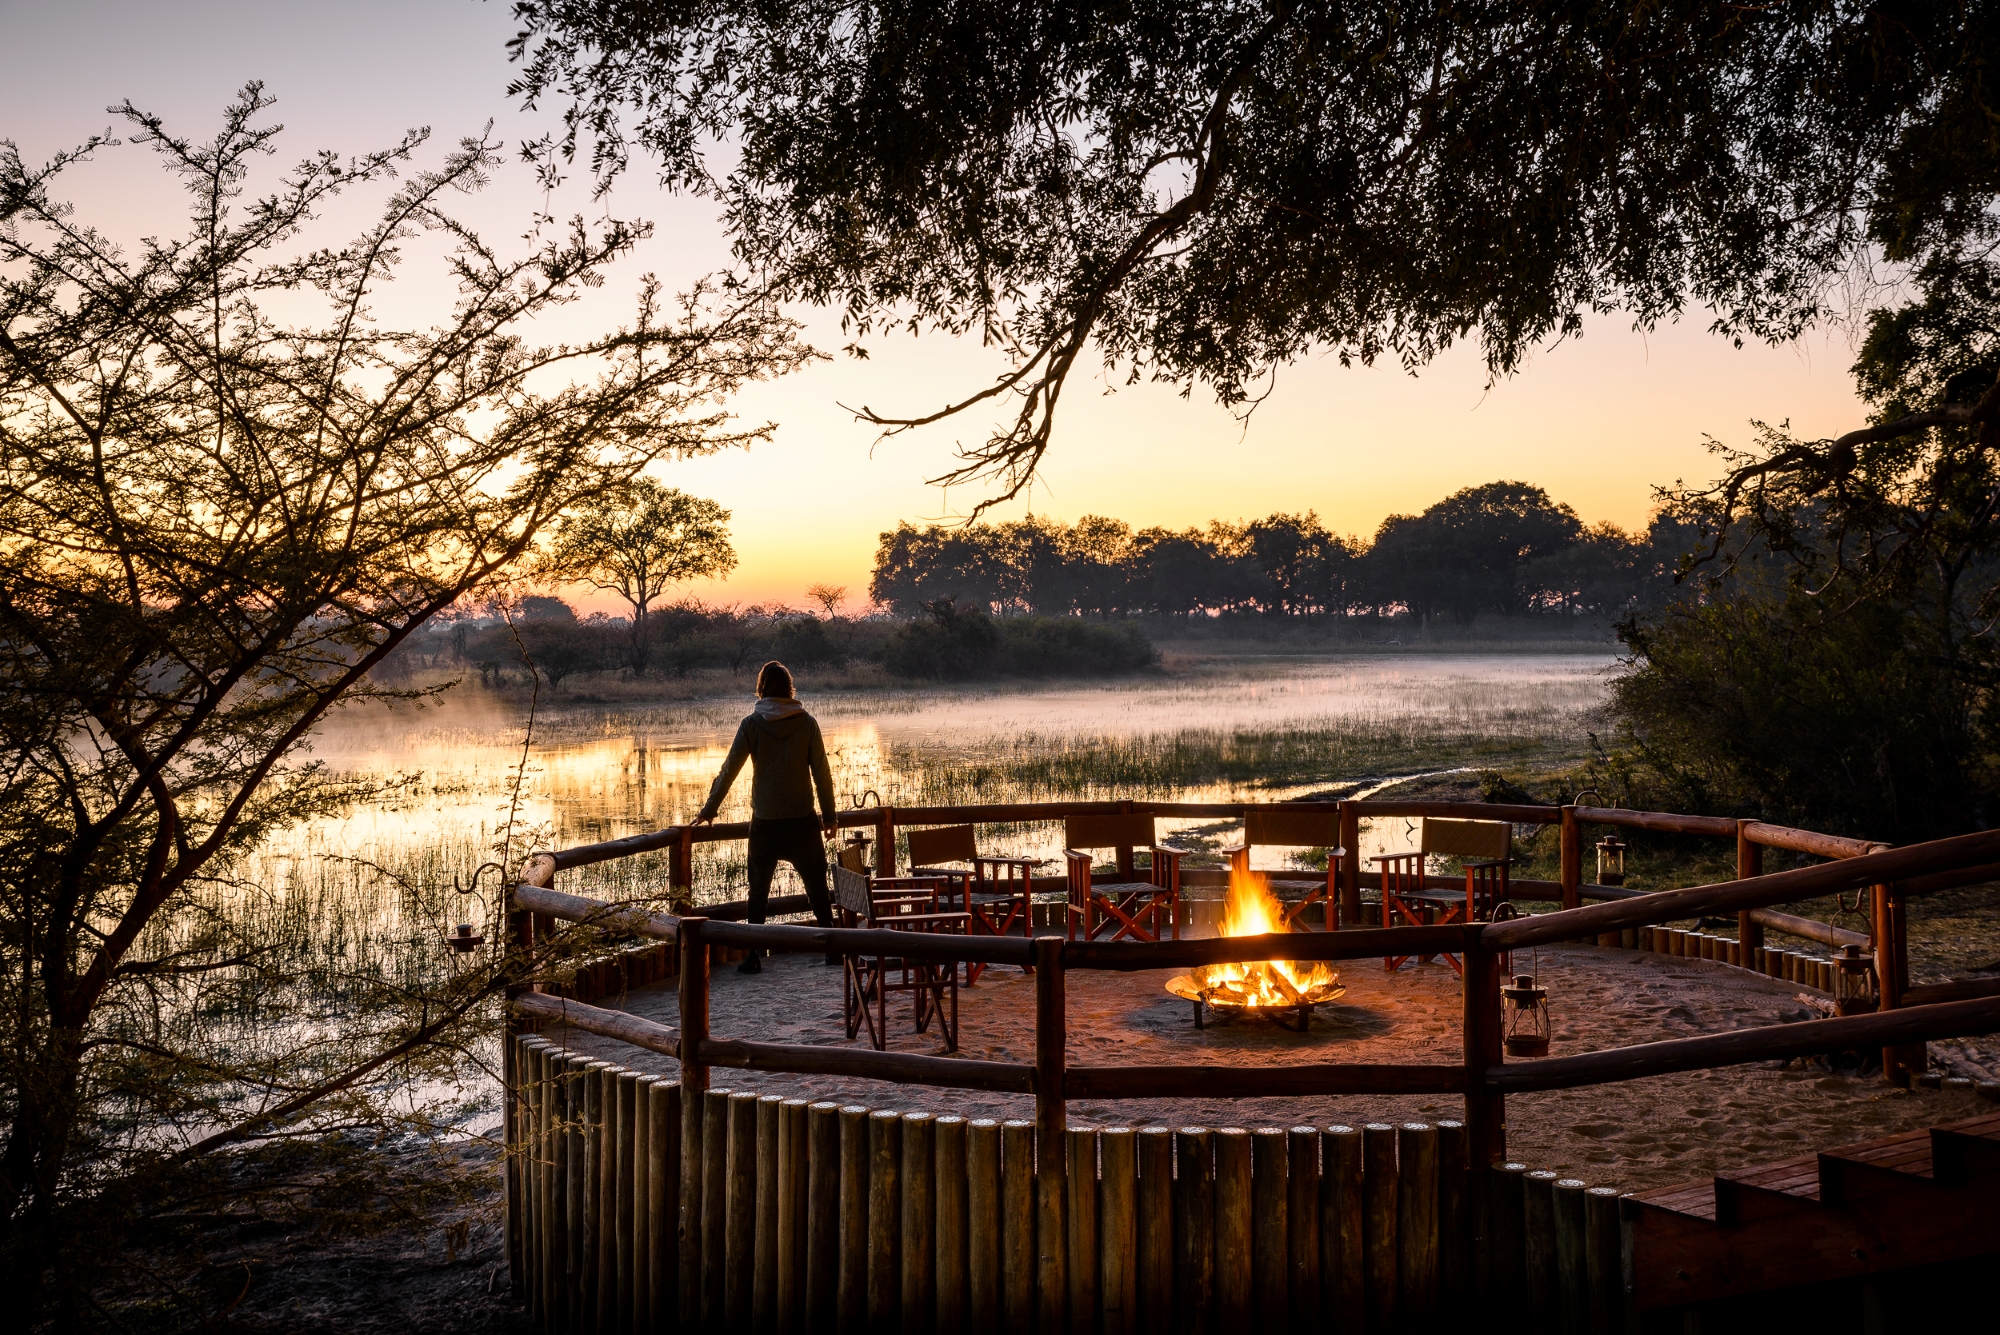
(1184, 985)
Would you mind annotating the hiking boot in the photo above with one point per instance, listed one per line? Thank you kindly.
(753, 964)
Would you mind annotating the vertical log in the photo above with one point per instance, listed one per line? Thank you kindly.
(1235, 1278)
(1749, 862)
(764, 1241)
(1020, 1260)
(1302, 1219)
(1154, 1266)
(952, 1219)
(642, 1203)
(575, 1119)
(714, 1203)
(985, 1244)
(693, 988)
(528, 1097)
(1350, 865)
(663, 1197)
(1572, 1259)
(1485, 1111)
(823, 1218)
(1603, 1261)
(1343, 1251)
(1270, 1246)
(885, 1288)
(885, 842)
(1570, 860)
(593, 1217)
(740, 1210)
(1506, 1243)
(624, 1173)
(791, 1207)
(1538, 1229)
(1080, 1206)
(1117, 1232)
(1416, 1225)
(1454, 1231)
(1051, 1123)
(1194, 1231)
(1378, 1193)
(851, 1290)
(917, 1241)
(680, 874)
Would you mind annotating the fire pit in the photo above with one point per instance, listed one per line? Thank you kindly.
(1283, 991)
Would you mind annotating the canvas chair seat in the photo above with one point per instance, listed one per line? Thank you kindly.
(1485, 850)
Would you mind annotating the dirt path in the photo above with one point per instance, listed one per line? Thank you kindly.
(1638, 1134)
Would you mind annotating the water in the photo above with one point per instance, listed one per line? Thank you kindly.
(1216, 730)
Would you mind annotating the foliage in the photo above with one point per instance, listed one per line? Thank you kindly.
(638, 542)
(953, 643)
(215, 523)
(1503, 547)
(1206, 192)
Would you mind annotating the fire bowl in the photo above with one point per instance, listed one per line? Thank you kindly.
(1291, 1015)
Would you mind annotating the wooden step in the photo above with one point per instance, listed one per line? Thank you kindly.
(1691, 1200)
(1767, 1191)
(1967, 1153)
(1891, 1165)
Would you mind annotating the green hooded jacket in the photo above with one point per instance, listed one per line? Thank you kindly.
(788, 760)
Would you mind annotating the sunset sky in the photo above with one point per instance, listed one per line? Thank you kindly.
(1599, 422)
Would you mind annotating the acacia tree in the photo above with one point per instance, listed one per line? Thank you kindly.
(1208, 191)
(639, 541)
(214, 523)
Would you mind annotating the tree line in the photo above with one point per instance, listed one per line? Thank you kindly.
(1503, 548)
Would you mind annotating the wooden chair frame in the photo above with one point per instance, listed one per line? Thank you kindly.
(1295, 829)
(994, 891)
(900, 904)
(1127, 907)
(1487, 853)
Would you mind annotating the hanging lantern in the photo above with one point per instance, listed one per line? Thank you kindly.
(1853, 983)
(1527, 1017)
(464, 941)
(1610, 860)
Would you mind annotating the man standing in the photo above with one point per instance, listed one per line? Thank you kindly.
(788, 762)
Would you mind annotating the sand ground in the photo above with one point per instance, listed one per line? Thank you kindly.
(1634, 1135)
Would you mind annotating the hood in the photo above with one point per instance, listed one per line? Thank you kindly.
(771, 708)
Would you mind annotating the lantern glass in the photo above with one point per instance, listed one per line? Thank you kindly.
(1527, 1007)
(1853, 983)
(1610, 860)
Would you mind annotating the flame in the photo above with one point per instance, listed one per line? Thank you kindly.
(1251, 910)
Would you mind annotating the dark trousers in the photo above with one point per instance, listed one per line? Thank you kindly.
(795, 839)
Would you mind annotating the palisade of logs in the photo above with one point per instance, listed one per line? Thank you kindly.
(821, 1217)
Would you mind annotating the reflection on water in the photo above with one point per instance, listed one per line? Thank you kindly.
(1262, 727)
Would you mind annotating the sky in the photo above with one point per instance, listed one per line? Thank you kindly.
(1598, 421)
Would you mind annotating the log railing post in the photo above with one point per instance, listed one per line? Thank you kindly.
(1749, 863)
(518, 952)
(694, 1086)
(680, 872)
(1051, 1138)
(1901, 1063)
(1350, 865)
(1570, 860)
(885, 842)
(1485, 1111)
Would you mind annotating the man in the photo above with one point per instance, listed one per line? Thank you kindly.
(788, 762)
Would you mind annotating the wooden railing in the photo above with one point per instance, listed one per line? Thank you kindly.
(1482, 1078)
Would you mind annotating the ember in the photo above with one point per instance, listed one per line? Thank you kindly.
(1259, 984)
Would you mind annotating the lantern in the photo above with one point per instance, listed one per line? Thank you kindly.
(1853, 983)
(1610, 860)
(464, 941)
(1527, 1017)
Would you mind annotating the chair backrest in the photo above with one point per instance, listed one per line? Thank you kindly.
(1114, 830)
(1291, 829)
(854, 857)
(943, 843)
(1468, 838)
(850, 891)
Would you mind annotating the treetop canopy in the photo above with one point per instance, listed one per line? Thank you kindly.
(1209, 190)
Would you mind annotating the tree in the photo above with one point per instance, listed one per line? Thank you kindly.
(1205, 192)
(638, 542)
(1463, 555)
(214, 525)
